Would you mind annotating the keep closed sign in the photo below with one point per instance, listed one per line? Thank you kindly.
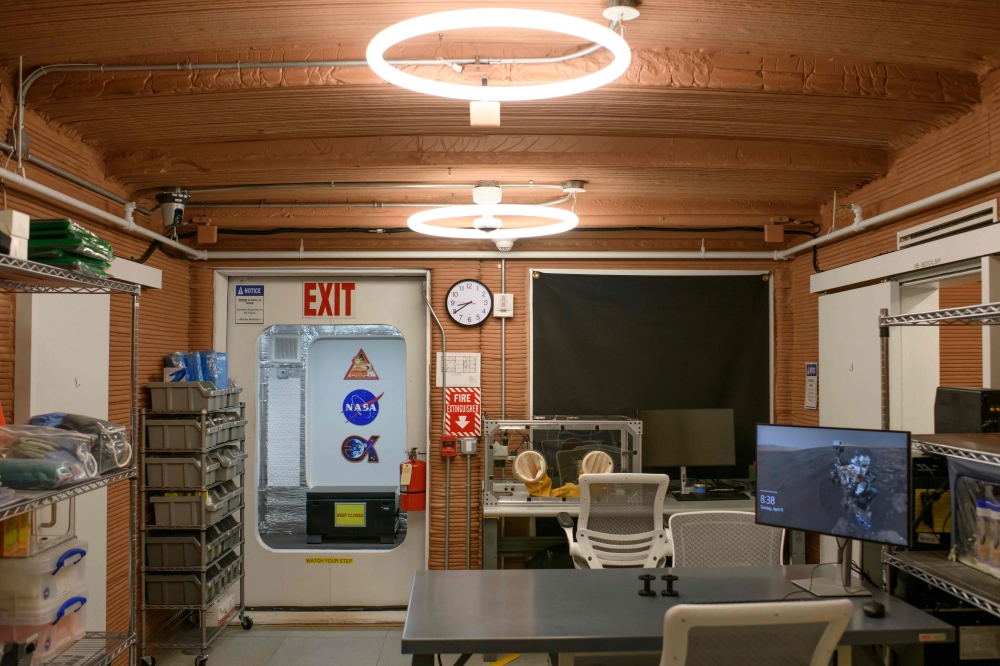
(330, 300)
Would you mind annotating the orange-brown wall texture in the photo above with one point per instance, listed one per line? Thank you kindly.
(180, 315)
(968, 149)
(165, 316)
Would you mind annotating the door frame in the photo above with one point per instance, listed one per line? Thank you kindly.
(220, 322)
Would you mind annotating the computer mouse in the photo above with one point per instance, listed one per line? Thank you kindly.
(874, 609)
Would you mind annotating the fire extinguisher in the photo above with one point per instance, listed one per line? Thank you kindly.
(413, 484)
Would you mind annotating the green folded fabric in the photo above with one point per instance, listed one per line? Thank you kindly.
(21, 474)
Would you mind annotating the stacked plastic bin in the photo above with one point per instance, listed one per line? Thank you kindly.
(192, 492)
(43, 599)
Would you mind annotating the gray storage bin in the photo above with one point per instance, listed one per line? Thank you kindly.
(173, 551)
(183, 549)
(180, 472)
(185, 589)
(189, 434)
(185, 511)
(230, 461)
(173, 589)
(191, 396)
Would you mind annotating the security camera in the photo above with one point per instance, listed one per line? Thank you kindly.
(172, 208)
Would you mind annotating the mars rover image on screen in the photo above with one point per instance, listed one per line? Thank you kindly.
(858, 490)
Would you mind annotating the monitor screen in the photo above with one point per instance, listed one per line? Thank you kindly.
(837, 481)
(688, 437)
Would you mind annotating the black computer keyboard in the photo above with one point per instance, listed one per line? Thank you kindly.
(710, 496)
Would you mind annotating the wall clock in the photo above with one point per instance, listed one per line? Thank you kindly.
(469, 303)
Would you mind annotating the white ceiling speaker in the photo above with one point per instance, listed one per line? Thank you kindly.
(484, 99)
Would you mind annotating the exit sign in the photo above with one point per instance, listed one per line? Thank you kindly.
(329, 300)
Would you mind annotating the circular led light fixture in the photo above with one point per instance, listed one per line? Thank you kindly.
(528, 19)
(489, 221)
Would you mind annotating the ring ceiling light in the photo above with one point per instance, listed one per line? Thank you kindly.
(528, 19)
(489, 222)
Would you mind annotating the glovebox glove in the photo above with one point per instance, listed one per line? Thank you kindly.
(529, 466)
(596, 462)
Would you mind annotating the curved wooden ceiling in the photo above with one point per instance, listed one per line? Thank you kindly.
(728, 109)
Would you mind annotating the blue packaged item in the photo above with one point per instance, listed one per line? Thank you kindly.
(215, 368)
(193, 363)
(175, 368)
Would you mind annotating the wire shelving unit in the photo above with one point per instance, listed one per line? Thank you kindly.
(29, 277)
(968, 584)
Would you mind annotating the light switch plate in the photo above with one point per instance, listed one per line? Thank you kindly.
(503, 305)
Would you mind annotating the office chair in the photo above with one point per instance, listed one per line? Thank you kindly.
(621, 521)
(723, 539)
(789, 633)
(569, 461)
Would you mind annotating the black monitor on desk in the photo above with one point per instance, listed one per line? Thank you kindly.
(687, 438)
(842, 482)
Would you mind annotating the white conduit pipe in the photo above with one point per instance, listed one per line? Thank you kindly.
(862, 224)
(486, 254)
(125, 223)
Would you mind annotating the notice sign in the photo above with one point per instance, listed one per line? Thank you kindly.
(330, 300)
(464, 409)
(349, 515)
(812, 385)
(249, 304)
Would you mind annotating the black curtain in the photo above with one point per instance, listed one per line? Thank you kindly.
(617, 344)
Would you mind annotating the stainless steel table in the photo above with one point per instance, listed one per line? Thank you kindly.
(567, 612)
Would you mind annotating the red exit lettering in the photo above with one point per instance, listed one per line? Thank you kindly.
(328, 299)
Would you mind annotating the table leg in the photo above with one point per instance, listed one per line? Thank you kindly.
(490, 530)
(422, 660)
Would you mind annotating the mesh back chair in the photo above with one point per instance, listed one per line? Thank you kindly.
(791, 633)
(569, 461)
(724, 539)
(621, 521)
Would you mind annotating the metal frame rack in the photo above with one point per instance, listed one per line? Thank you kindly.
(177, 631)
(29, 277)
(975, 587)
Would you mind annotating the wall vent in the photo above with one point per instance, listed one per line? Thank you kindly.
(977, 216)
(286, 349)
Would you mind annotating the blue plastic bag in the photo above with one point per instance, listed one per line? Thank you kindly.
(193, 363)
(215, 368)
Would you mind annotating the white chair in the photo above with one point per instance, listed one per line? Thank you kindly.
(620, 523)
(783, 633)
(724, 539)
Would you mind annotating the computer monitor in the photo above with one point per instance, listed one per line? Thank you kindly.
(843, 482)
(687, 437)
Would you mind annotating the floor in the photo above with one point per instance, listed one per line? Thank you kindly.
(315, 646)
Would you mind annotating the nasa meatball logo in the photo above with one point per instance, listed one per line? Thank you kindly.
(361, 407)
(356, 448)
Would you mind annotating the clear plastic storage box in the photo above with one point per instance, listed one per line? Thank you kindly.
(28, 583)
(53, 625)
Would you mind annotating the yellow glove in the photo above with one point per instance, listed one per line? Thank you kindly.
(530, 467)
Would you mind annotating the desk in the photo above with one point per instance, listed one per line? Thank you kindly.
(568, 611)
(550, 507)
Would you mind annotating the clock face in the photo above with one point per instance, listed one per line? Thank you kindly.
(469, 302)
